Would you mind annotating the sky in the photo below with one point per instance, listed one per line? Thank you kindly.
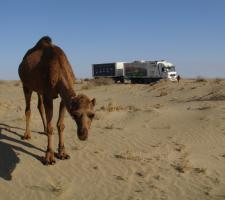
(188, 33)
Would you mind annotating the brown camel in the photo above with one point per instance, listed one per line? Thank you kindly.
(46, 70)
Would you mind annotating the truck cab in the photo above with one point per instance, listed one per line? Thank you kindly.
(167, 70)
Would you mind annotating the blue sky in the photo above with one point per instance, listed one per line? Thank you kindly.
(188, 33)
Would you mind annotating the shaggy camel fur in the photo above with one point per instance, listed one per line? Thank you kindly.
(46, 70)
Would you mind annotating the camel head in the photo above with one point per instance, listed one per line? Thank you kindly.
(82, 111)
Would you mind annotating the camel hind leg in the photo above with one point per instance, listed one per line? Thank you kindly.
(27, 95)
(42, 111)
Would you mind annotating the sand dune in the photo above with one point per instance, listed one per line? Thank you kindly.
(159, 141)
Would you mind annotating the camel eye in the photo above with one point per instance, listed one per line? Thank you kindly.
(91, 115)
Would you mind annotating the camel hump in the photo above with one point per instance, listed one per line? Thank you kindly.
(65, 66)
(44, 42)
(58, 65)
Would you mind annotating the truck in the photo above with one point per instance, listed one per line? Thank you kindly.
(114, 71)
(137, 71)
(149, 71)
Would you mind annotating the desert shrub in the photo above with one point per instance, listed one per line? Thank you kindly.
(215, 97)
(200, 170)
(110, 107)
(200, 79)
(204, 107)
(109, 126)
(133, 156)
(218, 80)
(102, 81)
(157, 106)
(85, 87)
(96, 82)
(132, 108)
(16, 83)
(79, 81)
(163, 93)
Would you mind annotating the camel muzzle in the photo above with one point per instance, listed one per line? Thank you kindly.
(82, 134)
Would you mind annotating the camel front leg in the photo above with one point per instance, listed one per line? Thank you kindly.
(60, 126)
(42, 112)
(27, 95)
(49, 157)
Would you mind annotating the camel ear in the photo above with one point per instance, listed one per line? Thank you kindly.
(93, 101)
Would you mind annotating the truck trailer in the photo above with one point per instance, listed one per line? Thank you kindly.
(136, 72)
(109, 70)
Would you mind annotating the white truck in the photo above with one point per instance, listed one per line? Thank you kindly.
(149, 71)
(136, 72)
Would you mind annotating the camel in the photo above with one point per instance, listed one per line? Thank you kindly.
(46, 70)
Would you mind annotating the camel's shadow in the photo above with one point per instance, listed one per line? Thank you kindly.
(8, 156)
(8, 160)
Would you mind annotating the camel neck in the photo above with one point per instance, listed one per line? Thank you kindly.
(66, 92)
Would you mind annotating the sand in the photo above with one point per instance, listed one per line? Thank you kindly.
(162, 141)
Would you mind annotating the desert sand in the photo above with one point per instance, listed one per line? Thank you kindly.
(156, 141)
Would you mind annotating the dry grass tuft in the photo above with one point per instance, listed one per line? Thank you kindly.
(132, 108)
(110, 126)
(101, 81)
(211, 97)
(182, 164)
(79, 81)
(132, 156)
(181, 167)
(16, 83)
(120, 178)
(199, 170)
(204, 108)
(85, 87)
(87, 79)
(163, 93)
(157, 106)
(200, 79)
(217, 97)
(91, 83)
(55, 188)
(218, 80)
(180, 89)
(110, 107)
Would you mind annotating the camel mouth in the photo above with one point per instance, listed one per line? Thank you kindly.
(82, 134)
(83, 137)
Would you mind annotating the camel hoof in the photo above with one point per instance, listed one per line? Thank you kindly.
(26, 137)
(45, 162)
(49, 158)
(62, 156)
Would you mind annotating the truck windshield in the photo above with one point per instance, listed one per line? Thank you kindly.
(171, 69)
